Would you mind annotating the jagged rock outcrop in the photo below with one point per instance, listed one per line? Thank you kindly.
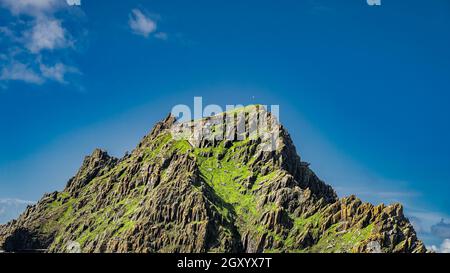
(220, 192)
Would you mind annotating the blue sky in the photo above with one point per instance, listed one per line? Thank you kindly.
(363, 90)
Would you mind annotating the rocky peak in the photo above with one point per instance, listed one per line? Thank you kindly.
(223, 190)
(269, 141)
(94, 165)
(165, 124)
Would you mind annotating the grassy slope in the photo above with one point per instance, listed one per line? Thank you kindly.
(224, 169)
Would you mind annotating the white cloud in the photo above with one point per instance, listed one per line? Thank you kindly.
(73, 2)
(161, 36)
(57, 72)
(13, 201)
(7, 32)
(441, 229)
(443, 248)
(39, 37)
(46, 34)
(384, 196)
(428, 218)
(31, 7)
(141, 24)
(18, 71)
(11, 208)
(37, 74)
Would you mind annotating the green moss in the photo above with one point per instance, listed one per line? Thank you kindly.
(228, 172)
(357, 235)
(263, 180)
(301, 225)
(226, 178)
(224, 172)
(182, 146)
(312, 221)
(55, 204)
(151, 152)
(67, 216)
(264, 230)
(128, 225)
(336, 241)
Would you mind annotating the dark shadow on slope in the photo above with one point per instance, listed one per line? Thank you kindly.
(23, 240)
(217, 201)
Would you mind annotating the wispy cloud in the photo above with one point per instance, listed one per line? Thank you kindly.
(32, 7)
(144, 24)
(14, 201)
(428, 218)
(388, 196)
(11, 208)
(57, 72)
(33, 39)
(390, 192)
(162, 36)
(17, 71)
(441, 229)
(443, 248)
(432, 225)
(141, 24)
(47, 34)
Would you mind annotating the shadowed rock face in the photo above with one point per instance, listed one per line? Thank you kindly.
(208, 195)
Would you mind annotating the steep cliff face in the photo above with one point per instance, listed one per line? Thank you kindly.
(206, 194)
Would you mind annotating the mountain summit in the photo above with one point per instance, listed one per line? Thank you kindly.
(224, 191)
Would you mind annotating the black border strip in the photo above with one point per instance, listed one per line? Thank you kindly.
(235, 262)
